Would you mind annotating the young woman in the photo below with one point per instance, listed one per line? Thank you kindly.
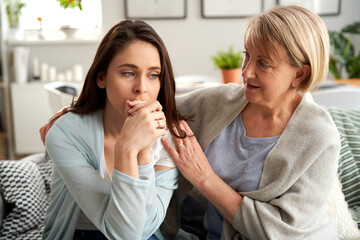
(270, 153)
(112, 179)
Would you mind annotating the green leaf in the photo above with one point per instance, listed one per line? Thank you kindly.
(353, 67)
(352, 28)
(343, 48)
(343, 52)
(228, 59)
(68, 3)
(333, 68)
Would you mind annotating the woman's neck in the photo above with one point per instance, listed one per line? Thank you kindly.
(113, 121)
(284, 108)
(265, 121)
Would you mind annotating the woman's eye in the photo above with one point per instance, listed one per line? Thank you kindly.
(264, 64)
(246, 53)
(128, 74)
(154, 76)
(246, 58)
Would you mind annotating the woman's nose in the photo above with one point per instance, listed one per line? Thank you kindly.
(248, 70)
(140, 85)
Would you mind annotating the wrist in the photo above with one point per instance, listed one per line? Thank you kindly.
(125, 161)
(144, 157)
(206, 182)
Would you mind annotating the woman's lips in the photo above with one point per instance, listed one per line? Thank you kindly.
(251, 86)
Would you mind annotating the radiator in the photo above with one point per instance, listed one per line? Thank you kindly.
(30, 111)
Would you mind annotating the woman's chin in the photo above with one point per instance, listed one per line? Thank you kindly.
(250, 96)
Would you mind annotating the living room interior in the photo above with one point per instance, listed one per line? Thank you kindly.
(41, 53)
(193, 34)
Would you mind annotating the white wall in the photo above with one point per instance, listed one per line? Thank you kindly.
(191, 42)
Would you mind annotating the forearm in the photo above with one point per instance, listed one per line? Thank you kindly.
(158, 199)
(221, 195)
(127, 205)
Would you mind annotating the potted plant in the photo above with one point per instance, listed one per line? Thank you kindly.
(344, 56)
(229, 63)
(70, 3)
(13, 11)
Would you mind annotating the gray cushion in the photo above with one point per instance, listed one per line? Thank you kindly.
(26, 185)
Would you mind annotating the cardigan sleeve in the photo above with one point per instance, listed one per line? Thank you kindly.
(129, 208)
(296, 213)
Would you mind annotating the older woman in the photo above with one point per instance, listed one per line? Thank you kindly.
(265, 155)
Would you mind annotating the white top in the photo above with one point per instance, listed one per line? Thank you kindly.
(158, 157)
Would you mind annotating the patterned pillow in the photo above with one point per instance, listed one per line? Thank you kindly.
(23, 185)
(348, 124)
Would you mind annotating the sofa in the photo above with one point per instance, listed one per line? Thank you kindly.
(25, 187)
(24, 196)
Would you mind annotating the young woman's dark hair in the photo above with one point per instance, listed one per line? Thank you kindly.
(116, 39)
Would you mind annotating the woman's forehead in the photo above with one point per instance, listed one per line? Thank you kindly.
(275, 52)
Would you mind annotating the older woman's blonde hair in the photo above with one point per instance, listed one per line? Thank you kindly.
(301, 32)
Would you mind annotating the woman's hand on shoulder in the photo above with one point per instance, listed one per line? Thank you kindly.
(45, 129)
(194, 166)
(189, 157)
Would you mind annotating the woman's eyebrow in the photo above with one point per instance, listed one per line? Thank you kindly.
(154, 68)
(136, 67)
(128, 65)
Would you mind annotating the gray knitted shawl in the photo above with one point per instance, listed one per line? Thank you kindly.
(297, 176)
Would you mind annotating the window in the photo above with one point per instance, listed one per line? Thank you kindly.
(54, 16)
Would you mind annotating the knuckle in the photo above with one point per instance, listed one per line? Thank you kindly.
(158, 104)
(142, 112)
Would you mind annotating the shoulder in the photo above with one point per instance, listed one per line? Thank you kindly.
(73, 122)
(73, 119)
(76, 139)
(76, 126)
(312, 123)
(159, 154)
(223, 91)
(316, 117)
(211, 98)
(157, 146)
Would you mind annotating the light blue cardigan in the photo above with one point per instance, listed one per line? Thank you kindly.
(128, 208)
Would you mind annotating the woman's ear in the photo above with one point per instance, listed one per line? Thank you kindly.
(302, 73)
(101, 80)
